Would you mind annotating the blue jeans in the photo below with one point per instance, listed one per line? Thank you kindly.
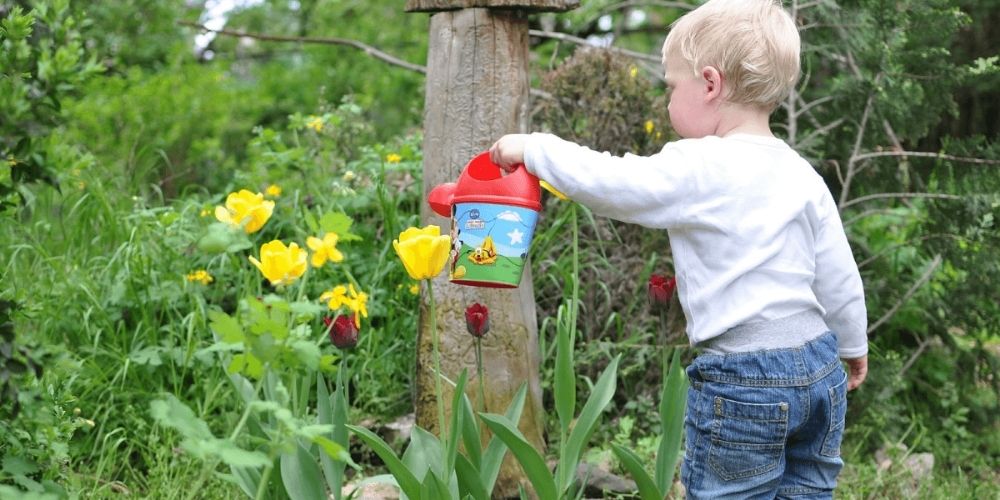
(765, 424)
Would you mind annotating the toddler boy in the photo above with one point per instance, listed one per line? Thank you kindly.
(767, 281)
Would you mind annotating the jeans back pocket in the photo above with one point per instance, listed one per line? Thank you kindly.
(748, 439)
(838, 413)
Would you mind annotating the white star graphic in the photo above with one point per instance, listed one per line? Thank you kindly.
(515, 237)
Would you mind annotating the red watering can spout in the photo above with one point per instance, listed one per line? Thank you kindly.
(440, 198)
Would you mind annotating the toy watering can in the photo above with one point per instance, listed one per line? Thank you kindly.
(493, 219)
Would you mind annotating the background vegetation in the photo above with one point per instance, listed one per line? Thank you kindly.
(118, 133)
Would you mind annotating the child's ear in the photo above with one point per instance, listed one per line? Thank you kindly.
(712, 80)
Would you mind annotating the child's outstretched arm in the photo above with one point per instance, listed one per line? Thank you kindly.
(839, 290)
(651, 191)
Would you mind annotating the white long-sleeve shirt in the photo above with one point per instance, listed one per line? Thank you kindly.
(754, 230)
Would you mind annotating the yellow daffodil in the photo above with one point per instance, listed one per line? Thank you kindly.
(315, 123)
(245, 209)
(358, 303)
(281, 265)
(650, 126)
(548, 187)
(393, 158)
(324, 249)
(335, 297)
(201, 276)
(424, 251)
(273, 191)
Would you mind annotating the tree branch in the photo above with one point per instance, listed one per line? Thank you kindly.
(367, 49)
(922, 154)
(909, 293)
(880, 196)
(555, 35)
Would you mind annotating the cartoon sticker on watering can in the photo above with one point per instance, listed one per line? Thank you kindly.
(492, 222)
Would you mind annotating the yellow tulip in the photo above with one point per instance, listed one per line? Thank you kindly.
(281, 265)
(424, 251)
(324, 249)
(245, 209)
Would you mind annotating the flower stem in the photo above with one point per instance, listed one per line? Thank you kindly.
(437, 367)
(479, 373)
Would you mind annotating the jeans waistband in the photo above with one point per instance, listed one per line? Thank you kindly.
(790, 331)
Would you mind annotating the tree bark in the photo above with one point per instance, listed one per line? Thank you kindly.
(477, 90)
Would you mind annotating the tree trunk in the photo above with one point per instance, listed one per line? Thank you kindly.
(477, 90)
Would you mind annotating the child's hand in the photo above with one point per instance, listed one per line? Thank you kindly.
(857, 371)
(508, 152)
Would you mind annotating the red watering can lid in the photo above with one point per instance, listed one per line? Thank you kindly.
(483, 182)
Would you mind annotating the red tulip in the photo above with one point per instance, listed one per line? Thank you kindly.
(477, 320)
(343, 331)
(661, 290)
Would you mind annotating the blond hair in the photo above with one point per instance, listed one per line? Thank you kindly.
(753, 43)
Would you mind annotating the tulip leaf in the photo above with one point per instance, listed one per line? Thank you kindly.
(496, 449)
(673, 401)
(301, 475)
(340, 223)
(599, 398)
(529, 458)
(456, 421)
(564, 388)
(423, 453)
(408, 483)
(470, 433)
(632, 464)
(469, 483)
(326, 406)
(226, 327)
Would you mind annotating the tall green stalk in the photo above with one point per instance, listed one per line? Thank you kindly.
(437, 369)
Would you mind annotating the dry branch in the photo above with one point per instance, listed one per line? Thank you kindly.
(909, 293)
(367, 49)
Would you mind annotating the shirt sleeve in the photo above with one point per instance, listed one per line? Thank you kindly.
(838, 286)
(649, 191)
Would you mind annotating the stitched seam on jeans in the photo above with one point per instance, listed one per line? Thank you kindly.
(796, 382)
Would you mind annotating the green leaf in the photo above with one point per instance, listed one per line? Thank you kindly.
(469, 483)
(234, 456)
(226, 327)
(599, 398)
(470, 433)
(673, 401)
(147, 356)
(170, 412)
(529, 458)
(433, 487)
(333, 471)
(632, 464)
(308, 353)
(496, 448)
(423, 453)
(246, 364)
(340, 223)
(301, 475)
(407, 482)
(18, 466)
(248, 479)
(564, 388)
(455, 429)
